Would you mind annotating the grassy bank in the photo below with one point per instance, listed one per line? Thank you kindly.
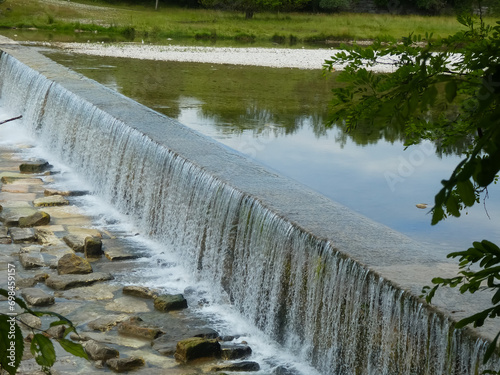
(94, 19)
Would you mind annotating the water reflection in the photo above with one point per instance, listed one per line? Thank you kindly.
(277, 117)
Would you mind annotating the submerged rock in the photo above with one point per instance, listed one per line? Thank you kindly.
(235, 351)
(196, 347)
(63, 282)
(238, 367)
(97, 351)
(37, 219)
(125, 364)
(170, 302)
(37, 297)
(136, 327)
(72, 264)
(105, 323)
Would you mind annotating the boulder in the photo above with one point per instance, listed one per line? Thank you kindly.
(37, 219)
(170, 302)
(196, 347)
(10, 216)
(97, 351)
(135, 326)
(93, 247)
(125, 364)
(72, 264)
(22, 235)
(238, 367)
(36, 166)
(29, 321)
(53, 200)
(105, 323)
(57, 332)
(37, 297)
(140, 291)
(236, 351)
(64, 282)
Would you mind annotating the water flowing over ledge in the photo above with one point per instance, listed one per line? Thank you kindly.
(334, 288)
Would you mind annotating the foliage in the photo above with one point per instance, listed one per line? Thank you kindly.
(249, 7)
(446, 91)
(334, 4)
(42, 348)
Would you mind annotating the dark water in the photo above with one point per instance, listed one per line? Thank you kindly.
(278, 116)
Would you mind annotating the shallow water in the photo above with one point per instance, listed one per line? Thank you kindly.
(277, 117)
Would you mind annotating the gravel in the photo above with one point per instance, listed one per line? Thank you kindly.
(272, 57)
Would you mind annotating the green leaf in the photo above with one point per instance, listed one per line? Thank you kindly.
(491, 349)
(73, 348)
(11, 344)
(451, 91)
(466, 191)
(43, 350)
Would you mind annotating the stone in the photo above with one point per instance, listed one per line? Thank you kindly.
(105, 323)
(116, 254)
(72, 264)
(64, 282)
(97, 351)
(31, 260)
(47, 237)
(41, 256)
(194, 348)
(37, 219)
(237, 351)
(53, 200)
(36, 166)
(37, 297)
(170, 302)
(28, 282)
(72, 193)
(135, 326)
(128, 305)
(10, 216)
(9, 177)
(4, 235)
(96, 292)
(238, 367)
(22, 235)
(29, 321)
(75, 241)
(93, 247)
(57, 332)
(140, 291)
(125, 364)
(206, 333)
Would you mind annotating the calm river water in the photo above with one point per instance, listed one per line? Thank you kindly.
(278, 116)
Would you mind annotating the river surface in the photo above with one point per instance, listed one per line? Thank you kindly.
(277, 117)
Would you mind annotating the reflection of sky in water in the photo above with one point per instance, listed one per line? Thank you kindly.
(382, 181)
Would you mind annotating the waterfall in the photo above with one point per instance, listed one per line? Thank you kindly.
(321, 304)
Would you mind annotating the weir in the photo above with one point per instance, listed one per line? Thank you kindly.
(334, 288)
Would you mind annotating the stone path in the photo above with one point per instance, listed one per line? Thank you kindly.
(66, 265)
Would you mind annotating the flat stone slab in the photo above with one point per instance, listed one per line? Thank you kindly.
(8, 177)
(37, 297)
(135, 326)
(105, 323)
(35, 166)
(140, 291)
(42, 256)
(95, 292)
(37, 219)
(64, 282)
(116, 254)
(170, 302)
(53, 200)
(10, 215)
(22, 235)
(65, 193)
(125, 364)
(128, 305)
(75, 241)
(45, 236)
(4, 235)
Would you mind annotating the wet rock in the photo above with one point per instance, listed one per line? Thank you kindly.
(128, 305)
(97, 351)
(105, 323)
(41, 256)
(116, 254)
(9, 177)
(75, 241)
(10, 216)
(64, 282)
(125, 364)
(237, 351)
(36, 166)
(37, 297)
(194, 348)
(4, 235)
(29, 321)
(73, 193)
(57, 332)
(206, 333)
(136, 327)
(140, 291)
(238, 367)
(22, 235)
(47, 237)
(37, 219)
(170, 302)
(72, 264)
(282, 370)
(96, 292)
(53, 200)
(26, 283)
(93, 247)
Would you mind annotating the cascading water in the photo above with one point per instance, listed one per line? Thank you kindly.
(321, 305)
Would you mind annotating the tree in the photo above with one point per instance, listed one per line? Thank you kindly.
(249, 7)
(446, 91)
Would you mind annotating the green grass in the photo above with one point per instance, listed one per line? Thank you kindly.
(63, 17)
